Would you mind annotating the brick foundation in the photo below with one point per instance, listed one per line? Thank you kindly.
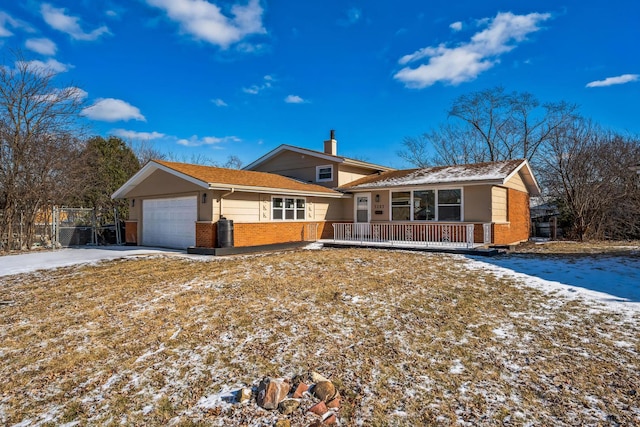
(206, 234)
(131, 232)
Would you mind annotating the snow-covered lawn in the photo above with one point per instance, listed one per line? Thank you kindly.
(408, 339)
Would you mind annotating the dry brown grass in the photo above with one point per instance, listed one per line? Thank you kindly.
(409, 338)
(631, 247)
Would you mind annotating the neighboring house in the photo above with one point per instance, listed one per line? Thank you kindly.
(293, 194)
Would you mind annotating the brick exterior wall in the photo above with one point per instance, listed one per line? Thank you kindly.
(205, 234)
(266, 233)
(519, 226)
(131, 232)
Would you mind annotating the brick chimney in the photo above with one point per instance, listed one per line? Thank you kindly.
(331, 145)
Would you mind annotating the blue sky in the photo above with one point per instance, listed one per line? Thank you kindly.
(218, 78)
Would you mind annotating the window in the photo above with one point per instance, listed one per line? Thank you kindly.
(401, 206)
(449, 203)
(290, 209)
(324, 173)
(427, 205)
(424, 205)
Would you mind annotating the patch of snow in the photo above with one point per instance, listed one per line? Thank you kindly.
(222, 399)
(114, 378)
(150, 353)
(176, 333)
(457, 367)
(313, 246)
(44, 260)
(611, 281)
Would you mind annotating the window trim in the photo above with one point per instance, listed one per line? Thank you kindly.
(436, 207)
(284, 209)
(318, 168)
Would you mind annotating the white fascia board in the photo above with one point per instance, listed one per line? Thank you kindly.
(251, 189)
(145, 172)
(284, 147)
(440, 185)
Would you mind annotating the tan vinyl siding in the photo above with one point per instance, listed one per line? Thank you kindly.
(517, 183)
(205, 209)
(380, 206)
(161, 183)
(348, 173)
(330, 209)
(252, 207)
(242, 207)
(299, 166)
(499, 204)
(477, 203)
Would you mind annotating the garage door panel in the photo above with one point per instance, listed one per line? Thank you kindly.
(169, 222)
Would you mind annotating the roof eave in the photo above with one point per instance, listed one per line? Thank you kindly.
(145, 172)
(428, 184)
(373, 166)
(274, 190)
(530, 180)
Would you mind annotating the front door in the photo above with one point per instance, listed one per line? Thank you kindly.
(362, 207)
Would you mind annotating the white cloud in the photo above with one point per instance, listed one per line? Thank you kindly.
(466, 61)
(219, 102)
(294, 99)
(113, 110)
(42, 46)
(49, 66)
(195, 141)
(456, 26)
(7, 21)
(58, 19)
(131, 134)
(256, 89)
(619, 80)
(205, 21)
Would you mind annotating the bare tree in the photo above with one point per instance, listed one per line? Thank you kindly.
(489, 125)
(586, 169)
(38, 131)
(145, 151)
(416, 150)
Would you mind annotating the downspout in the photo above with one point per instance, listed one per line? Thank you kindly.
(222, 196)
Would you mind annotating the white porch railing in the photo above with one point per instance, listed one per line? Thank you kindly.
(427, 234)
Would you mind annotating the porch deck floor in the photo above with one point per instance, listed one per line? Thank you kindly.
(477, 248)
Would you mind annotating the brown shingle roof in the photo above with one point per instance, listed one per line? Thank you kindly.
(233, 177)
(488, 171)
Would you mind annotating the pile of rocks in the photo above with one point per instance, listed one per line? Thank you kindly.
(310, 393)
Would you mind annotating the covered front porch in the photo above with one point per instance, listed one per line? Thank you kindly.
(442, 235)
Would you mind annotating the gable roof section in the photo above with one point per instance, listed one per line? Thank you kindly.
(318, 154)
(213, 178)
(477, 173)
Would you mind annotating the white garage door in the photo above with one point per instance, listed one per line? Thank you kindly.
(169, 223)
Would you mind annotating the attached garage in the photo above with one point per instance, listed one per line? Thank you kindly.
(170, 222)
